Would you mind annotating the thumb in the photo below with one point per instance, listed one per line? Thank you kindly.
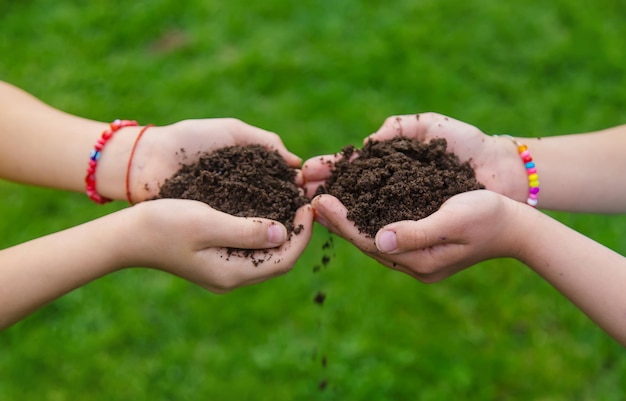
(405, 236)
(395, 126)
(247, 232)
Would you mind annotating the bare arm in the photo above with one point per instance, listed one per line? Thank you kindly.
(46, 147)
(182, 237)
(578, 172)
(43, 146)
(482, 225)
(582, 172)
(590, 275)
(36, 272)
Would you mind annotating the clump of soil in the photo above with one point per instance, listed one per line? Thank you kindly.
(398, 179)
(244, 181)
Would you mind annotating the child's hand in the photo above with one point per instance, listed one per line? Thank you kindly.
(189, 239)
(494, 159)
(163, 150)
(469, 228)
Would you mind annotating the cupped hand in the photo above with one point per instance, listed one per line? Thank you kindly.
(468, 228)
(161, 151)
(191, 240)
(494, 159)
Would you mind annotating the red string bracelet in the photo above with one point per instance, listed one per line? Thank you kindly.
(90, 178)
(130, 161)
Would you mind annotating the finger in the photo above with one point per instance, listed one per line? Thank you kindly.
(290, 251)
(225, 230)
(423, 127)
(319, 168)
(395, 126)
(333, 214)
(404, 236)
(267, 264)
(316, 171)
(311, 187)
(299, 178)
(248, 134)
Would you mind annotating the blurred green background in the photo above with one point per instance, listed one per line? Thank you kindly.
(322, 74)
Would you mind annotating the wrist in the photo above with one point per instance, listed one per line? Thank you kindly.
(120, 237)
(525, 226)
(108, 159)
(157, 155)
(513, 174)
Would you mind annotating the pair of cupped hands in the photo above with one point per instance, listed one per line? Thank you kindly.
(188, 238)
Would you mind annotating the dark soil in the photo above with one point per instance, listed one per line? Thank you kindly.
(399, 179)
(244, 181)
(320, 297)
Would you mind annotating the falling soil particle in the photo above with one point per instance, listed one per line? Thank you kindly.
(320, 297)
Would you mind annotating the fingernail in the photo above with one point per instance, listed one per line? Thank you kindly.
(276, 234)
(387, 242)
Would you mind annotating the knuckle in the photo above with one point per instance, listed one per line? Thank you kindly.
(429, 116)
(218, 290)
(417, 239)
(428, 279)
(273, 136)
(224, 285)
(430, 119)
(232, 122)
(283, 267)
(391, 120)
(251, 231)
(285, 262)
(427, 273)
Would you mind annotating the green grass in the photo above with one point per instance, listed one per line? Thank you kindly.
(323, 75)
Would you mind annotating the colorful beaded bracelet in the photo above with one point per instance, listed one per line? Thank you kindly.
(90, 178)
(531, 170)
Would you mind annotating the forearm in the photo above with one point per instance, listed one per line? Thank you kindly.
(592, 276)
(36, 272)
(583, 172)
(47, 147)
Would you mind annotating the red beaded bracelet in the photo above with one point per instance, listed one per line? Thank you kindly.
(90, 178)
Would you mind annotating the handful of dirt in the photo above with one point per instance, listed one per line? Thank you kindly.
(244, 181)
(398, 179)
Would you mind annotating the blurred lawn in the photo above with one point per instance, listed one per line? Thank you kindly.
(323, 75)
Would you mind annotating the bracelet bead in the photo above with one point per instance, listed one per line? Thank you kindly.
(94, 156)
(531, 171)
